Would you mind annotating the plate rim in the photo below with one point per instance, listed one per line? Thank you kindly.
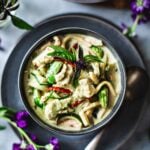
(108, 22)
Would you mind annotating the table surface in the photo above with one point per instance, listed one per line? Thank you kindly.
(35, 11)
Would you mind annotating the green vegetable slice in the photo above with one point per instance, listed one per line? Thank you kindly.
(103, 97)
(53, 70)
(98, 50)
(92, 58)
(37, 100)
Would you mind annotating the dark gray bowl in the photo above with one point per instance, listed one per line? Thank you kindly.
(24, 98)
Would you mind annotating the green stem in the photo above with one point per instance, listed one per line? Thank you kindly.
(23, 134)
(21, 131)
(134, 26)
(132, 29)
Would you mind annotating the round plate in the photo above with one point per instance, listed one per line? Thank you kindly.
(119, 129)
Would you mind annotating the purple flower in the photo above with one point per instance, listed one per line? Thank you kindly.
(21, 119)
(139, 6)
(54, 141)
(16, 146)
(144, 17)
(30, 147)
(22, 123)
(21, 115)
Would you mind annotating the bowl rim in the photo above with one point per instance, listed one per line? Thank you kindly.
(119, 100)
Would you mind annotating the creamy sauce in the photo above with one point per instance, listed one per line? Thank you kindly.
(88, 83)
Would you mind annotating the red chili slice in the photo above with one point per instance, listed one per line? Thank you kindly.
(65, 61)
(76, 103)
(59, 89)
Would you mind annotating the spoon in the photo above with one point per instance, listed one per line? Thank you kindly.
(137, 85)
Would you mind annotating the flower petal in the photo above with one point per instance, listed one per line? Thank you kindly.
(54, 141)
(22, 123)
(21, 115)
(16, 146)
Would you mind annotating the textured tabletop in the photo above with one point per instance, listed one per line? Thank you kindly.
(35, 11)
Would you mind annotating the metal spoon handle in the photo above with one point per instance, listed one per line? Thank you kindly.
(94, 142)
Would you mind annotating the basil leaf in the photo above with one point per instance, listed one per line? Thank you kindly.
(62, 53)
(2, 127)
(18, 22)
(92, 58)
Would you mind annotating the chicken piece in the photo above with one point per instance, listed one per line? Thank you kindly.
(85, 89)
(43, 58)
(52, 109)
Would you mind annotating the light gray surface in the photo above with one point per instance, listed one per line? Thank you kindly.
(34, 11)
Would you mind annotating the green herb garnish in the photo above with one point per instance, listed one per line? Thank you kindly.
(62, 53)
(98, 51)
(92, 58)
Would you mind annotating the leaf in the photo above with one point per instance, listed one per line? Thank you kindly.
(62, 53)
(91, 58)
(2, 127)
(3, 113)
(6, 112)
(18, 22)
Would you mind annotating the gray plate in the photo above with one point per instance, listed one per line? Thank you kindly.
(119, 129)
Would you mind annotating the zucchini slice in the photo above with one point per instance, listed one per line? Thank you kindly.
(53, 70)
(69, 121)
(37, 100)
(103, 97)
